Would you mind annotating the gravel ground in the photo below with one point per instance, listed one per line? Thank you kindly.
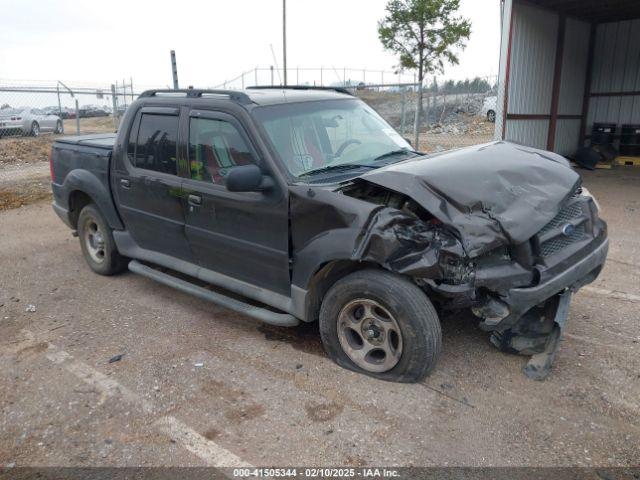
(200, 385)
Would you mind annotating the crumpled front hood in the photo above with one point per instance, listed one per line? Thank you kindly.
(492, 194)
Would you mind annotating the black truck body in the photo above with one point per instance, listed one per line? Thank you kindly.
(502, 229)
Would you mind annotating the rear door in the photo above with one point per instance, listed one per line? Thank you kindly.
(244, 235)
(148, 185)
(44, 121)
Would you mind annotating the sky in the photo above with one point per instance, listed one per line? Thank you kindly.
(96, 43)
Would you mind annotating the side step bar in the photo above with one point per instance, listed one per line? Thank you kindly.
(262, 314)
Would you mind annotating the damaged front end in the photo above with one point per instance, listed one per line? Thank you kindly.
(513, 258)
(520, 292)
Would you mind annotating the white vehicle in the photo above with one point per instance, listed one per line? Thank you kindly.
(28, 121)
(489, 108)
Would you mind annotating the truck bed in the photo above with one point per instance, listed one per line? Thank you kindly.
(98, 140)
(81, 163)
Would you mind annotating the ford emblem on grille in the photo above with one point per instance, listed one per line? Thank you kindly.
(568, 230)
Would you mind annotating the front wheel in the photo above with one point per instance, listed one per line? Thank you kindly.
(59, 127)
(98, 247)
(381, 324)
(491, 116)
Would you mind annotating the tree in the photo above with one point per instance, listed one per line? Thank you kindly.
(425, 34)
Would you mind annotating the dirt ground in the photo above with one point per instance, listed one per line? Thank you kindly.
(200, 385)
(19, 150)
(24, 168)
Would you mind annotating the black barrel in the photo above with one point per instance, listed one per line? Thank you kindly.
(603, 133)
(630, 140)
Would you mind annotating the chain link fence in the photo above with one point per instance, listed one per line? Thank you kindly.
(454, 114)
(33, 114)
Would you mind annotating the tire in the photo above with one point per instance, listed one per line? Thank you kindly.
(59, 127)
(35, 129)
(491, 116)
(97, 244)
(397, 303)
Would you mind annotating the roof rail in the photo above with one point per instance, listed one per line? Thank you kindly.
(301, 87)
(234, 95)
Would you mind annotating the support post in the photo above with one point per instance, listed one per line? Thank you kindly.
(587, 86)
(557, 77)
(174, 70)
(271, 68)
(77, 118)
(403, 110)
(284, 41)
(59, 103)
(114, 103)
(416, 126)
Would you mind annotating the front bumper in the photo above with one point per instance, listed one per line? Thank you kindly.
(520, 300)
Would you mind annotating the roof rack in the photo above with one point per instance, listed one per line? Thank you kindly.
(234, 95)
(301, 87)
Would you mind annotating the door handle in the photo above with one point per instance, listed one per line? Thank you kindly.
(125, 183)
(195, 200)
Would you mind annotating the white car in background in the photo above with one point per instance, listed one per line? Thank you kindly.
(489, 108)
(28, 121)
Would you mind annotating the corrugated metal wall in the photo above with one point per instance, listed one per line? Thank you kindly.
(528, 132)
(533, 55)
(530, 73)
(616, 68)
(572, 84)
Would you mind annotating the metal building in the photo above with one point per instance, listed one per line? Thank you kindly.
(565, 64)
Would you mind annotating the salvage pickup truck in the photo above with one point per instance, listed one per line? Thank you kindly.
(302, 204)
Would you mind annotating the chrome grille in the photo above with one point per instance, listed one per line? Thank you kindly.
(561, 241)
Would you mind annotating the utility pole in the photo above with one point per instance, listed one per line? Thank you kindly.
(284, 40)
(174, 70)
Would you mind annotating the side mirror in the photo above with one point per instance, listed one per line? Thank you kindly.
(247, 178)
(408, 141)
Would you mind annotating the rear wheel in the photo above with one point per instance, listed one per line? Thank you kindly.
(381, 324)
(98, 247)
(491, 116)
(35, 129)
(58, 127)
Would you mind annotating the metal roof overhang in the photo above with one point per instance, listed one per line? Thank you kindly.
(595, 11)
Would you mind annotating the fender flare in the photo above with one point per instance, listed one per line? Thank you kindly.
(86, 182)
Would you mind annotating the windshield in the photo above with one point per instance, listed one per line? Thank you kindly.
(316, 138)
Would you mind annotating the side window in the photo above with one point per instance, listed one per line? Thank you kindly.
(215, 146)
(156, 143)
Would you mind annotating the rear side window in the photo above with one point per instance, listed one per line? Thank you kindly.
(215, 146)
(155, 147)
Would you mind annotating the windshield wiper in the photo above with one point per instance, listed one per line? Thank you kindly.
(343, 167)
(393, 153)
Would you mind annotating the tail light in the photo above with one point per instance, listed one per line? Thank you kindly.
(53, 178)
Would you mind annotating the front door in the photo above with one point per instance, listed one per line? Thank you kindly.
(149, 189)
(243, 235)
